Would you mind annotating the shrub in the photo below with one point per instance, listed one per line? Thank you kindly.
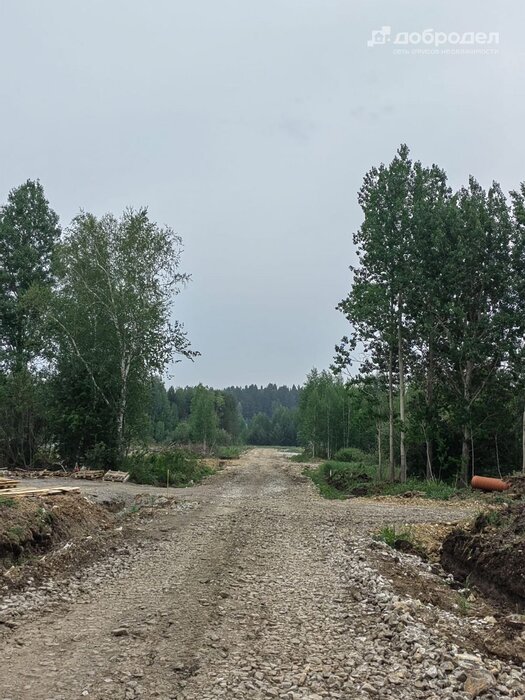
(303, 458)
(152, 468)
(397, 539)
(354, 454)
(229, 452)
(346, 475)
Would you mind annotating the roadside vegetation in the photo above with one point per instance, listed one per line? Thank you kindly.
(87, 331)
(343, 479)
(430, 378)
(175, 467)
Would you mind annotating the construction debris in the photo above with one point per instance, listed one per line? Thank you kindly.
(116, 476)
(8, 483)
(20, 493)
(91, 474)
(40, 474)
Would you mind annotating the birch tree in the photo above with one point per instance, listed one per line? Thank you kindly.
(113, 312)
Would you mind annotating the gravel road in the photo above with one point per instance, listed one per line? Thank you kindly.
(257, 589)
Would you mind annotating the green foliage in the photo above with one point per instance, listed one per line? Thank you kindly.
(16, 534)
(464, 604)
(229, 452)
(280, 428)
(325, 489)
(303, 457)
(112, 320)
(254, 399)
(29, 231)
(340, 479)
(204, 421)
(23, 419)
(260, 430)
(354, 454)
(6, 502)
(395, 537)
(438, 296)
(436, 490)
(345, 476)
(334, 415)
(152, 468)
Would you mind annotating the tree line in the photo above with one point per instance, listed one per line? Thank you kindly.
(212, 417)
(437, 320)
(255, 399)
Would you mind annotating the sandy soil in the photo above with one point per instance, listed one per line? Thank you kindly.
(260, 589)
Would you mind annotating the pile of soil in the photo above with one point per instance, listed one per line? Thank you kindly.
(35, 525)
(517, 485)
(491, 553)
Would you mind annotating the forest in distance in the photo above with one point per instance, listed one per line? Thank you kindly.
(429, 382)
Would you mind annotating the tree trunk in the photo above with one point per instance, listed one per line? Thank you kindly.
(402, 450)
(467, 431)
(430, 402)
(379, 455)
(465, 456)
(122, 405)
(429, 471)
(497, 454)
(349, 424)
(392, 474)
(523, 442)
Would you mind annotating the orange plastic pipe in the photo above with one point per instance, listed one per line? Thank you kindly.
(486, 483)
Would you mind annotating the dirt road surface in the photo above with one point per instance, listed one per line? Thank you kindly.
(260, 590)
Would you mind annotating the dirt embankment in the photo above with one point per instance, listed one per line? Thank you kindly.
(31, 526)
(42, 535)
(491, 553)
(51, 538)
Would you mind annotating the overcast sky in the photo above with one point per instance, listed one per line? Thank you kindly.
(247, 127)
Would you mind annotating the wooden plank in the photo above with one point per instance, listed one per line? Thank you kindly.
(41, 492)
(6, 484)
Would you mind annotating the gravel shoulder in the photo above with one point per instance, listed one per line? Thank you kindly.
(251, 586)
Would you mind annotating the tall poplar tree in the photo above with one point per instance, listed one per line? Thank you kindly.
(29, 232)
(376, 304)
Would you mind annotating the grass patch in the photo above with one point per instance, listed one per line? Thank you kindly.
(325, 489)
(16, 532)
(436, 490)
(402, 539)
(397, 539)
(229, 452)
(353, 454)
(6, 502)
(347, 476)
(339, 479)
(151, 468)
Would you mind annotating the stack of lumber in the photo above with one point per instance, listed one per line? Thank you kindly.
(41, 474)
(90, 474)
(116, 476)
(55, 491)
(8, 483)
